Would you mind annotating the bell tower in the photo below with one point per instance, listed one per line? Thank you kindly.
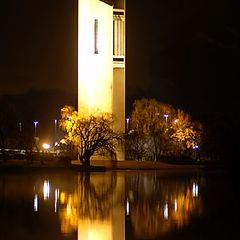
(101, 59)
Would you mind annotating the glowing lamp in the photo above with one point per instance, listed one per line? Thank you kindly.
(46, 146)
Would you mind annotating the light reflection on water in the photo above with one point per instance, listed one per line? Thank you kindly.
(164, 204)
(97, 206)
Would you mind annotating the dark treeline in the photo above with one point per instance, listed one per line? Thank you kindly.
(222, 137)
(18, 113)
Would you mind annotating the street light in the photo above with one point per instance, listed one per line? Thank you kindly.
(55, 131)
(20, 126)
(166, 117)
(127, 120)
(46, 146)
(35, 127)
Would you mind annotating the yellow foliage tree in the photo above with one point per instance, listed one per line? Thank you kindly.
(89, 133)
(186, 133)
(150, 120)
(158, 130)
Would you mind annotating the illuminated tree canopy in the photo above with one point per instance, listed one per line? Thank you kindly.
(89, 133)
(157, 130)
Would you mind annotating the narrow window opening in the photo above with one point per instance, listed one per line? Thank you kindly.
(96, 36)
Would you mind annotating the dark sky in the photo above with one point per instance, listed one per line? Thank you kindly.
(38, 45)
(186, 53)
(182, 52)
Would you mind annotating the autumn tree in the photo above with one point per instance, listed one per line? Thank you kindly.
(161, 131)
(89, 133)
(150, 120)
(186, 134)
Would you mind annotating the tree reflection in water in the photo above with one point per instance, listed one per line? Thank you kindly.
(110, 206)
(94, 198)
(165, 204)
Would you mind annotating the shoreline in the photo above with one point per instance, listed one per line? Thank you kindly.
(101, 166)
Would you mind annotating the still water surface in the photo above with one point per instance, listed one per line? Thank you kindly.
(118, 206)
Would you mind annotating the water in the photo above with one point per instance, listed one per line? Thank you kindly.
(118, 205)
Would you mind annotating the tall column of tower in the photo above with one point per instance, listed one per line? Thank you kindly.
(101, 59)
(119, 69)
(95, 43)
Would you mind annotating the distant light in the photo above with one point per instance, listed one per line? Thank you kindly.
(195, 147)
(166, 117)
(195, 190)
(62, 198)
(69, 209)
(56, 199)
(127, 120)
(35, 128)
(165, 211)
(46, 190)
(175, 205)
(35, 203)
(176, 120)
(55, 206)
(20, 126)
(127, 207)
(57, 193)
(35, 123)
(46, 146)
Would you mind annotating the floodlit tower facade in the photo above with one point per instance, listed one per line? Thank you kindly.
(101, 58)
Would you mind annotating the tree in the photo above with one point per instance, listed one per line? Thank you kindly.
(150, 120)
(89, 133)
(135, 145)
(186, 133)
(162, 131)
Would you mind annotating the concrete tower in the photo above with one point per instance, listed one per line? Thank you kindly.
(101, 59)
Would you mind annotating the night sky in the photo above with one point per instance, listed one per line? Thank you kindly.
(181, 52)
(38, 45)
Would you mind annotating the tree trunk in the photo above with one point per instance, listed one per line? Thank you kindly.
(81, 159)
(87, 161)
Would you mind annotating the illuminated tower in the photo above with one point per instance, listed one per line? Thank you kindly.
(101, 58)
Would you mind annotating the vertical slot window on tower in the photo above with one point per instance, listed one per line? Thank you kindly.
(96, 36)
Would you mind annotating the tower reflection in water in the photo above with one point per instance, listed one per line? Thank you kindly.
(100, 204)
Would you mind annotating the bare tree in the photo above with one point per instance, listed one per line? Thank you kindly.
(89, 133)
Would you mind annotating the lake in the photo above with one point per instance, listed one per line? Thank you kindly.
(118, 205)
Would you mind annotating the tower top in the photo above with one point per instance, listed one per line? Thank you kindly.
(115, 3)
(110, 2)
